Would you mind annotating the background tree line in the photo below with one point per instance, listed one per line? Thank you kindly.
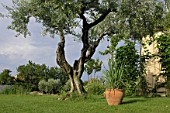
(29, 75)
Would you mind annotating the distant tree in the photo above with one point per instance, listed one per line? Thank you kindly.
(5, 77)
(57, 73)
(32, 73)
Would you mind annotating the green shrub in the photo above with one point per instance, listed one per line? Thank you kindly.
(66, 87)
(51, 86)
(54, 85)
(32, 87)
(15, 89)
(130, 90)
(42, 85)
(95, 88)
(137, 88)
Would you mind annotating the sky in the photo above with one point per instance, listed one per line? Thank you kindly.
(16, 51)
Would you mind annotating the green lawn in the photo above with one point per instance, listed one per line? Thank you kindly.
(50, 104)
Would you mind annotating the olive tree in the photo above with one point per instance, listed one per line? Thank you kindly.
(87, 20)
(62, 17)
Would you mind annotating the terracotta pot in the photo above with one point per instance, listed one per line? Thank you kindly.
(114, 96)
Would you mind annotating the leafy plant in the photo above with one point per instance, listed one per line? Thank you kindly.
(93, 65)
(114, 74)
(50, 86)
(42, 85)
(66, 87)
(54, 85)
(134, 65)
(95, 88)
(128, 55)
(163, 42)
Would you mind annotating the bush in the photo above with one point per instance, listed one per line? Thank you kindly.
(55, 85)
(130, 90)
(15, 89)
(51, 86)
(67, 86)
(95, 88)
(137, 88)
(42, 85)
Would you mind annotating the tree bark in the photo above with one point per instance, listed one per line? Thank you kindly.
(77, 85)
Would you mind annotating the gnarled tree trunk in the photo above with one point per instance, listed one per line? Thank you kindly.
(76, 84)
(75, 72)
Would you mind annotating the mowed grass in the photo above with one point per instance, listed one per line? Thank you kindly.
(51, 104)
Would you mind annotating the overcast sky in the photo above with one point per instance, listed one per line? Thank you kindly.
(15, 51)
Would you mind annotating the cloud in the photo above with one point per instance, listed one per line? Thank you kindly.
(15, 51)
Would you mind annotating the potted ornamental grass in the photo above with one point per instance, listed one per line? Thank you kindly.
(114, 80)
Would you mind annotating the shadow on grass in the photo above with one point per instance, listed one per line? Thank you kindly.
(133, 101)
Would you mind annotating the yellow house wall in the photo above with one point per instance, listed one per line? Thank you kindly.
(152, 67)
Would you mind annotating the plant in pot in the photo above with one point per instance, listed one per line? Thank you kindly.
(114, 80)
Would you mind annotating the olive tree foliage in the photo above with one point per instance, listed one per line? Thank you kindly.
(138, 18)
(96, 19)
(143, 17)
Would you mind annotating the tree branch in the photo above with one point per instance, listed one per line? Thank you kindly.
(92, 48)
(101, 18)
(79, 64)
(61, 60)
(81, 14)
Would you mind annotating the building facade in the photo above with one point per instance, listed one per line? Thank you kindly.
(152, 67)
